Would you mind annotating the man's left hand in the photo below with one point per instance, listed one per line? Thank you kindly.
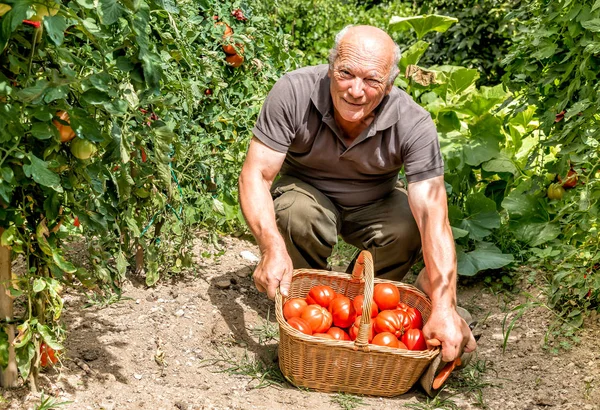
(452, 331)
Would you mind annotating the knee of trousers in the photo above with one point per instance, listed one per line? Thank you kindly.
(403, 236)
(303, 219)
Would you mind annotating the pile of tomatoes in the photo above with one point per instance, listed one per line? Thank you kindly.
(330, 315)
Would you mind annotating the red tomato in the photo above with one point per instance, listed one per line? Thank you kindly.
(324, 336)
(318, 318)
(320, 295)
(358, 305)
(414, 339)
(143, 153)
(76, 222)
(388, 321)
(385, 339)
(386, 296)
(353, 331)
(293, 308)
(342, 311)
(300, 324)
(47, 355)
(338, 333)
(571, 180)
(416, 319)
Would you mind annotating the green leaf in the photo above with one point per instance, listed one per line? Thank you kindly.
(25, 356)
(577, 108)
(39, 285)
(485, 256)
(413, 54)
(63, 264)
(448, 121)
(458, 233)
(38, 170)
(481, 216)
(422, 24)
(592, 25)
(455, 80)
(535, 234)
(56, 93)
(500, 164)
(481, 102)
(95, 97)
(42, 130)
(121, 264)
(34, 92)
(55, 27)
(596, 5)
(110, 11)
(48, 337)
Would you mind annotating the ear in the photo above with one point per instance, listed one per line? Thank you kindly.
(388, 88)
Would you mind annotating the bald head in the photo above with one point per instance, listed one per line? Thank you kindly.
(367, 41)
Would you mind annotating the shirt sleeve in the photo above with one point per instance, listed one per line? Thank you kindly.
(423, 158)
(275, 126)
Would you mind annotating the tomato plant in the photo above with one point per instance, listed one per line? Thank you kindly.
(386, 295)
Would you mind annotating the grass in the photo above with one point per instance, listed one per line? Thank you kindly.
(468, 382)
(49, 403)
(342, 254)
(266, 331)
(347, 401)
(265, 374)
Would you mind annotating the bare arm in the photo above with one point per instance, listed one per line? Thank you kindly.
(258, 172)
(429, 206)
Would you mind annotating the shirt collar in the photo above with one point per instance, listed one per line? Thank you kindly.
(386, 115)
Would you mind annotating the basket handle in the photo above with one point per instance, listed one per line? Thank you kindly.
(364, 269)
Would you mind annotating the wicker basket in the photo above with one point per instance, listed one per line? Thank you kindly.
(350, 366)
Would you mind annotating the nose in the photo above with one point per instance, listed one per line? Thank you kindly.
(356, 89)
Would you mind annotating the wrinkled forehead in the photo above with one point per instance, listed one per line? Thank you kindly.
(375, 61)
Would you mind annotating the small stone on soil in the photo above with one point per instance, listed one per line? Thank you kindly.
(223, 284)
(89, 355)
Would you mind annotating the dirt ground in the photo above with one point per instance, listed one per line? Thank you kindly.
(207, 341)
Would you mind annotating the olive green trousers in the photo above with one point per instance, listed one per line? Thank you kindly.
(310, 224)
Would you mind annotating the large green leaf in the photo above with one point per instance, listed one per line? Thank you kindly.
(55, 27)
(481, 216)
(110, 11)
(485, 256)
(422, 24)
(38, 170)
(500, 165)
(481, 102)
(454, 80)
(535, 234)
(413, 54)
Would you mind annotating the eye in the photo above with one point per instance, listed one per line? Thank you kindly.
(345, 73)
(372, 82)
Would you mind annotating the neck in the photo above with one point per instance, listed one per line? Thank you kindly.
(352, 129)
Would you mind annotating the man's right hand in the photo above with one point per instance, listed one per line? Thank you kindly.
(273, 271)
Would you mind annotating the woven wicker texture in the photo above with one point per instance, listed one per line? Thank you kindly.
(350, 366)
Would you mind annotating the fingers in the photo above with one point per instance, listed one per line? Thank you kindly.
(286, 281)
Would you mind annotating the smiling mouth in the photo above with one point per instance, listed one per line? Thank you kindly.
(353, 104)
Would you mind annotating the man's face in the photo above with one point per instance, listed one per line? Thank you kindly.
(359, 81)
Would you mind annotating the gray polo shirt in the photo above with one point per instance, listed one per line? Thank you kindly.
(297, 119)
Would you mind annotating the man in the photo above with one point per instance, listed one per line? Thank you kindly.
(338, 136)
